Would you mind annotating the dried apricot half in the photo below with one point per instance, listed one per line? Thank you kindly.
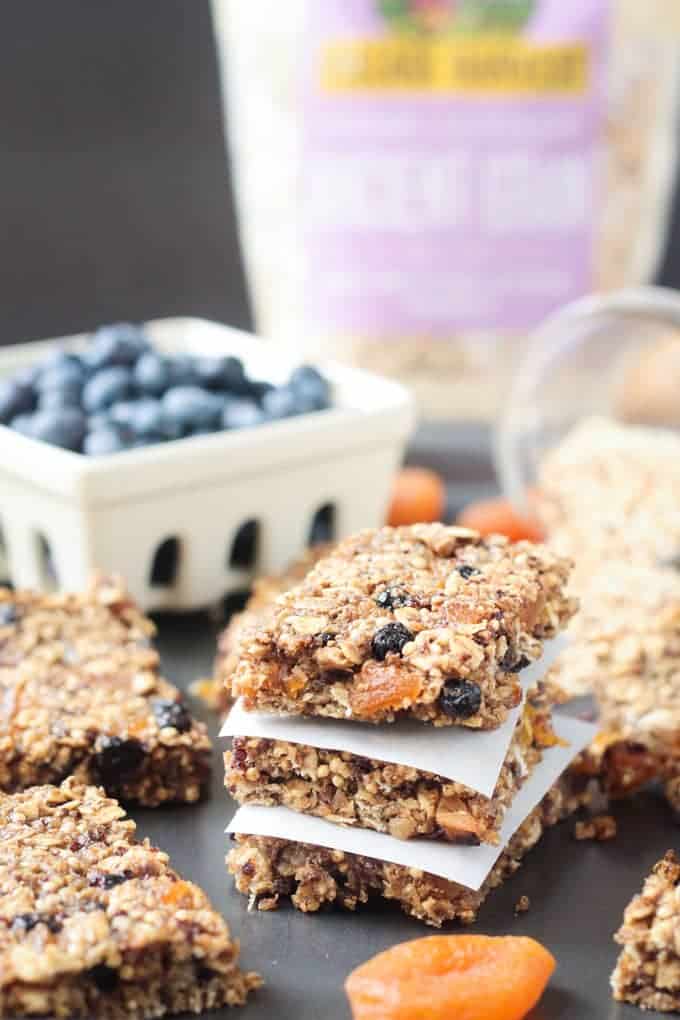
(381, 688)
(499, 516)
(451, 977)
(418, 495)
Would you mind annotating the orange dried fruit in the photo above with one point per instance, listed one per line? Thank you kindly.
(381, 688)
(451, 977)
(418, 495)
(180, 894)
(499, 516)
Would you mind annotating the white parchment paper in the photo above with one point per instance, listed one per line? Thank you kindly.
(471, 757)
(466, 865)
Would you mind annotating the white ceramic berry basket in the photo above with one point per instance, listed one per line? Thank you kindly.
(64, 515)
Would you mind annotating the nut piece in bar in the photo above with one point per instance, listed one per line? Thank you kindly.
(96, 924)
(399, 800)
(267, 869)
(647, 972)
(427, 621)
(81, 694)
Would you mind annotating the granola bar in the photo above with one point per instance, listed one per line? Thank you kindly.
(428, 621)
(95, 924)
(267, 870)
(81, 694)
(635, 674)
(401, 801)
(647, 972)
(258, 610)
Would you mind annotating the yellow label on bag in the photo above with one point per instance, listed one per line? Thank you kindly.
(483, 66)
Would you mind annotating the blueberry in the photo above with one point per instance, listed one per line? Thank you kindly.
(512, 662)
(101, 420)
(466, 571)
(280, 403)
(102, 441)
(312, 389)
(27, 922)
(172, 713)
(147, 418)
(104, 977)
(67, 395)
(108, 880)
(106, 388)
(63, 426)
(191, 407)
(8, 614)
(23, 423)
(182, 370)
(390, 638)
(67, 373)
(153, 374)
(59, 359)
(122, 413)
(460, 699)
(15, 398)
(257, 388)
(119, 344)
(117, 758)
(241, 414)
(393, 598)
(225, 373)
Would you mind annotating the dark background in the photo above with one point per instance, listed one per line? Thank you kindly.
(114, 194)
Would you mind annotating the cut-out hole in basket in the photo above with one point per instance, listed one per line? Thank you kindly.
(47, 568)
(243, 552)
(165, 564)
(323, 526)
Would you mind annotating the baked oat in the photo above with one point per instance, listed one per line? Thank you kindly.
(610, 493)
(257, 611)
(634, 671)
(95, 924)
(626, 631)
(399, 800)
(429, 621)
(268, 870)
(81, 694)
(647, 972)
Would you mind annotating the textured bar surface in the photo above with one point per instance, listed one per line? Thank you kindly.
(81, 694)
(428, 621)
(95, 924)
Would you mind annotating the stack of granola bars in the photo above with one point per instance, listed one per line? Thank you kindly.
(392, 733)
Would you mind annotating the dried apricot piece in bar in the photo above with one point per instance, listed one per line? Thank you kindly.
(451, 977)
(381, 689)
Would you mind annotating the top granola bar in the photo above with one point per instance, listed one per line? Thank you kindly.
(81, 694)
(428, 621)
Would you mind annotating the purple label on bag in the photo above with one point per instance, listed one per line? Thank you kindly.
(450, 152)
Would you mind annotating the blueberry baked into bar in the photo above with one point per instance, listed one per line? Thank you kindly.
(81, 694)
(399, 800)
(428, 621)
(95, 924)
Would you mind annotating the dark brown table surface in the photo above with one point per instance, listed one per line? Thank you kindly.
(577, 891)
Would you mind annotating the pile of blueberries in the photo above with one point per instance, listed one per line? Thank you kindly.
(120, 393)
